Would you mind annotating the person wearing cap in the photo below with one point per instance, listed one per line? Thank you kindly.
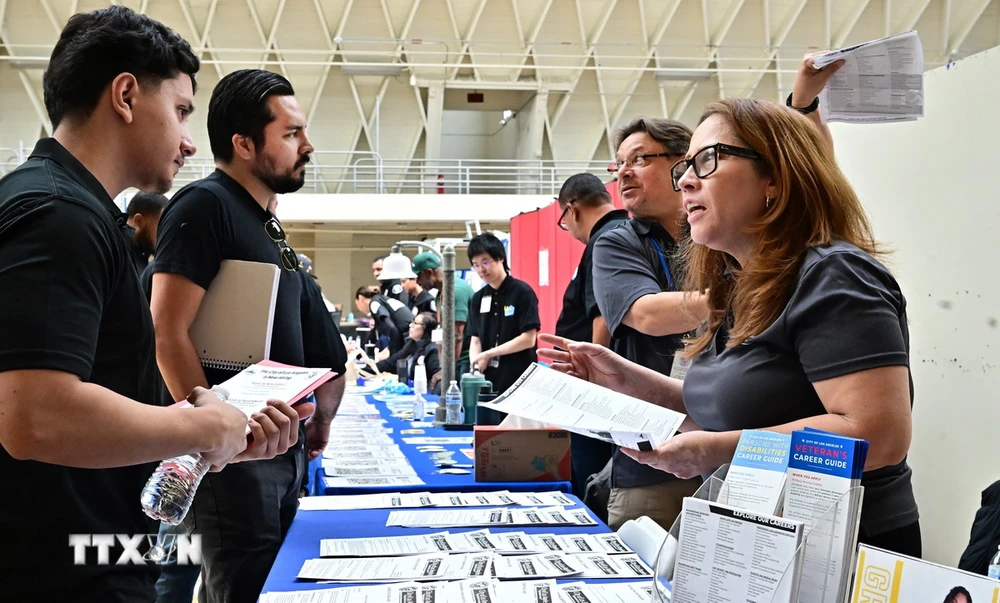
(430, 275)
(421, 300)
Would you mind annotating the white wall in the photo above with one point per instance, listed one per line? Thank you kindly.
(930, 187)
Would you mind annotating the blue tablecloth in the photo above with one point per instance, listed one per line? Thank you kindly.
(425, 468)
(309, 527)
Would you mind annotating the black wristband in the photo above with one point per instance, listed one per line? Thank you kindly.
(804, 110)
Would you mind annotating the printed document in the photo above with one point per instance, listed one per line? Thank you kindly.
(535, 566)
(368, 482)
(726, 555)
(881, 81)
(546, 395)
(398, 569)
(608, 592)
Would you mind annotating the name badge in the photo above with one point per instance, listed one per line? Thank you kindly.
(680, 368)
(508, 310)
(486, 304)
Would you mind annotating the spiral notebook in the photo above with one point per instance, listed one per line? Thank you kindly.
(233, 327)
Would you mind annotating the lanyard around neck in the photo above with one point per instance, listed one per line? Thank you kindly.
(663, 262)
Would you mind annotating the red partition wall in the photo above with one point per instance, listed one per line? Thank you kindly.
(545, 256)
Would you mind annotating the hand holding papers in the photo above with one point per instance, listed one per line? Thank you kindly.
(546, 395)
(881, 81)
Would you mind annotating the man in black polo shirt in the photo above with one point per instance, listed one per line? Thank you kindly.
(503, 317)
(392, 318)
(257, 133)
(636, 276)
(80, 428)
(144, 210)
(587, 213)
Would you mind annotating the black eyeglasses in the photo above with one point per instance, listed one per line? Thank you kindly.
(635, 162)
(289, 259)
(706, 161)
(561, 223)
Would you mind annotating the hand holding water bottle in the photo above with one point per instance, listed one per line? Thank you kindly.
(231, 430)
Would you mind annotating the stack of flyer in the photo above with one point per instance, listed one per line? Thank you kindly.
(822, 490)
(756, 477)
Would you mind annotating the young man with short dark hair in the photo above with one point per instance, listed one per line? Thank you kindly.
(503, 316)
(421, 300)
(144, 210)
(257, 133)
(80, 426)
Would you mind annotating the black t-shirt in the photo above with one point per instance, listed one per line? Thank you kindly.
(392, 319)
(498, 315)
(846, 314)
(423, 303)
(321, 342)
(70, 302)
(216, 219)
(576, 321)
(628, 265)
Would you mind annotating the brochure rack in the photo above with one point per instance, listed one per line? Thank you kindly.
(807, 575)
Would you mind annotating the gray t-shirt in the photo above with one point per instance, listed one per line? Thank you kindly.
(634, 259)
(846, 314)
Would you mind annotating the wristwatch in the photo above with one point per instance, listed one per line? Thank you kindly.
(804, 110)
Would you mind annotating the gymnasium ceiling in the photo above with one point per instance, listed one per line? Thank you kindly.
(600, 61)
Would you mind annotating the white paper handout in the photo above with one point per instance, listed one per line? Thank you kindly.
(441, 518)
(367, 467)
(250, 389)
(527, 591)
(599, 565)
(605, 592)
(881, 81)
(397, 569)
(546, 395)
(368, 482)
(443, 441)
(534, 566)
(387, 546)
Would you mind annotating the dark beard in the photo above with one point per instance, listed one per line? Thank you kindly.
(280, 183)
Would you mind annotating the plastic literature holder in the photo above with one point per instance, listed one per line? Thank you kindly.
(808, 573)
(810, 576)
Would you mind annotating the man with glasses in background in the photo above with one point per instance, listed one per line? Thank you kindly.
(503, 319)
(257, 134)
(587, 213)
(636, 283)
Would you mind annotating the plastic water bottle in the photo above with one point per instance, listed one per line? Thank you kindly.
(170, 491)
(994, 571)
(419, 389)
(453, 405)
